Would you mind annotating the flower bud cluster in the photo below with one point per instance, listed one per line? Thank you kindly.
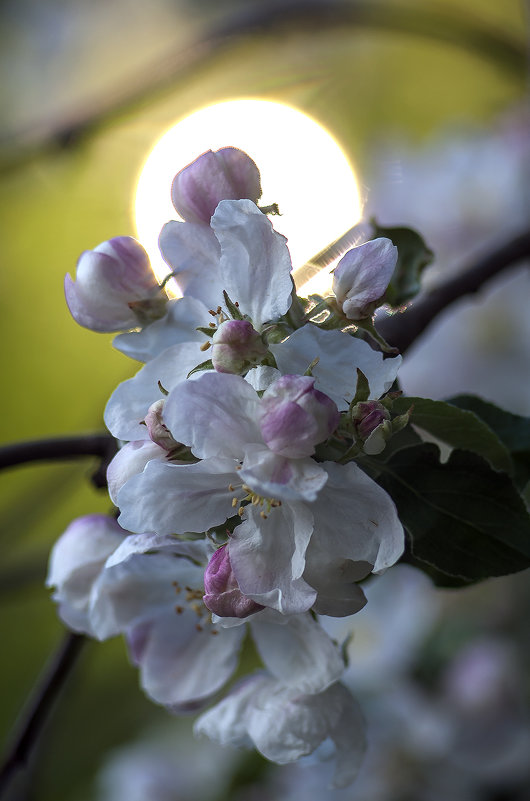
(231, 520)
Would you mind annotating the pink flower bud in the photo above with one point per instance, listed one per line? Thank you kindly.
(236, 345)
(227, 174)
(362, 276)
(372, 422)
(115, 287)
(296, 416)
(222, 595)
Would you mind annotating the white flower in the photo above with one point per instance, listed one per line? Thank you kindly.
(151, 589)
(285, 502)
(285, 724)
(241, 253)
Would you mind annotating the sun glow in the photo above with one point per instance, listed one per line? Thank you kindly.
(303, 170)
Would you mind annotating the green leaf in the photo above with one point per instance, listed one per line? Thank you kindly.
(458, 428)
(413, 257)
(464, 520)
(512, 429)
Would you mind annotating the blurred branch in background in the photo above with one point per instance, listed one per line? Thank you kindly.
(402, 329)
(39, 706)
(277, 17)
(102, 445)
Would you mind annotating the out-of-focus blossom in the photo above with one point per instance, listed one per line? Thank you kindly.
(75, 563)
(284, 724)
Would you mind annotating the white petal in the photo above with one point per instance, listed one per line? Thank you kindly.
(355, 522)
(299, 654)
(273, 476)
(130, 460)
(267, 557)
(138, 588)
(227, 721)
(348, 735)
(76, 560)
(175, 499)
(192, 251)
(255, 262)
(339, 357)
(130, 402)
(287, 725)
(216, 415)
(262, 377)
(180, 664)
(179, 325)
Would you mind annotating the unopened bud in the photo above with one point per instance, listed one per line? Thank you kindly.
(236, 345)
(373, 426)
(157, 429)
(222, 595)
(296, 416)
(227, 174)
(362, 276)
(115, 287)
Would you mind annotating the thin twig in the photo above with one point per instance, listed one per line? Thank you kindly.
(39, 706)
(402, 329)
(102, 445)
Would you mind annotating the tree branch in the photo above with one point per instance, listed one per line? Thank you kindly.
(402, 329)
(48, 688)
(102, 445)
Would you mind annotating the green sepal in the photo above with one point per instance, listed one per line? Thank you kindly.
(209, 332)
(362, 389)
(207, 365)
(231, 307)
(413, 257)
(309, 371)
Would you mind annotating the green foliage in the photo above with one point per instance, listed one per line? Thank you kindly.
(458, 428)
(511, 429)
(413, 257)
(463, 519)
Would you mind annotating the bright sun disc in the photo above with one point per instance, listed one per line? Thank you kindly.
(302, 167)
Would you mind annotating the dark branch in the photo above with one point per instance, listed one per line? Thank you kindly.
(401, 330)
(39, 706)
(102, 445)
(285, 16)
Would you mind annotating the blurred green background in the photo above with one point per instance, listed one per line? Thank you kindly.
(87, 90)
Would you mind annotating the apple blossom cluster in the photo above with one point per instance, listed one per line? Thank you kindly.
(243, 509)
